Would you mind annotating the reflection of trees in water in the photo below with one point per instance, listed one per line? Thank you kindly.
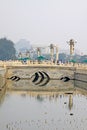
(23, 95)
(40, 98)
(50, 97)
(55, 97)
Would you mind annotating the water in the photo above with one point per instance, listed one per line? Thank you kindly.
(24, 110)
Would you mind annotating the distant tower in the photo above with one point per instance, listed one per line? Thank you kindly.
(71, 44)
(20, 55)
(51, 51)
(27, 54)
(57, 56)
(38, 51)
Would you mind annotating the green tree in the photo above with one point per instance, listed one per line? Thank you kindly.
(62, 57)
(7, 50)
(83, 59)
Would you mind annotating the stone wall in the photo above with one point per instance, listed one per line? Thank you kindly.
(2, 77)
(52, 71)
(81, 78)
(27, 76)
(2, 82)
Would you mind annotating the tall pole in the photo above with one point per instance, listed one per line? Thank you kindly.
(57, 57)
(71, 44)
(51, 51)
(38, 52)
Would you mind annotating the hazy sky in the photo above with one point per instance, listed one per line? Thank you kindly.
(45, 21)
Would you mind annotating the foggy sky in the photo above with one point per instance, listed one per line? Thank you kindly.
(45, 21)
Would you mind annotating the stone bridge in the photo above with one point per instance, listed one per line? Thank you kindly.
(42, 76)
(39, 77)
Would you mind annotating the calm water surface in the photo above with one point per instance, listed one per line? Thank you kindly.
(43, 111)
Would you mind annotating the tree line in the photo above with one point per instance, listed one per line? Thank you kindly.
(8, 52)
(7, 49)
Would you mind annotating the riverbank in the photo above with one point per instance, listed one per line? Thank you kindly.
(2, 81)
(81, 78)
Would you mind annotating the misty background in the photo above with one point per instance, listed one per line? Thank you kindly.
(43, 22)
